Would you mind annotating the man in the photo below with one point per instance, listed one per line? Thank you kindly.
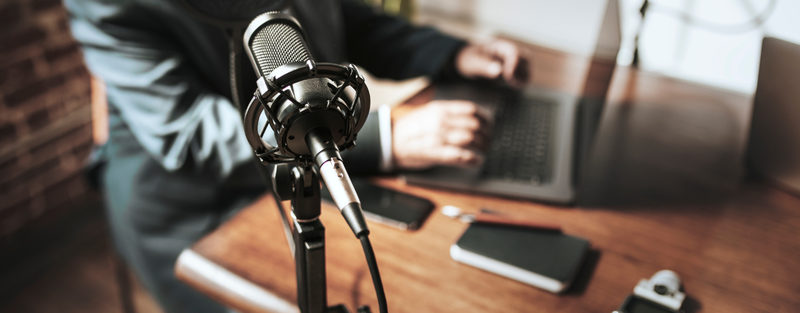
(177, 163)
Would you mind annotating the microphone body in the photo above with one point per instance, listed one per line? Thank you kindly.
(314, 109)
(275, 39)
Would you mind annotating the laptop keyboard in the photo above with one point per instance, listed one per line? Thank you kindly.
(523, 135)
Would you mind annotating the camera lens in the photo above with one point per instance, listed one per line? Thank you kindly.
(665, 282)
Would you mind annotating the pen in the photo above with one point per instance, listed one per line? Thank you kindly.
(485, 217)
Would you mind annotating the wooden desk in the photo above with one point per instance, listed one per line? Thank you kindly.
(740, 256)
(662, 192)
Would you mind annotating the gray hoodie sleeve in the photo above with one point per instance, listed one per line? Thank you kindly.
(154, 87)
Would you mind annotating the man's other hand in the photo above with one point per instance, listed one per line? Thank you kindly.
(494, 60)
(441, 132)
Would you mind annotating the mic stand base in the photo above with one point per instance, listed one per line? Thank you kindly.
(343, 309)
(309, 238)
(337, 309)
(308, 233)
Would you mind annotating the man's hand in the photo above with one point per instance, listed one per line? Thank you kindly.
(444, 132)
(494, 60)
(455, 133)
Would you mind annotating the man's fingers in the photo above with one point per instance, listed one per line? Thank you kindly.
(460, 138)
(474, 62)
(488, 67)
(443, 132)
(508, 54)
(455, 108)
(470, 123)
(465, 124)
(459, 107)
(466, 139)
(521, 74)
(497, 59)
(515, 66)
(446, 155)
(454, 156)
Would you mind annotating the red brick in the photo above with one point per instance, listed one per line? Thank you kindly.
(72, 95)
(82, 149)
(38, 120)
(80, 74)
(13, 194)
(34, 36)
(63, 23)
(43, 152)
(57, 194)
(33, 90)
(17, 72)
(77, 185)
(53, 55)
(28, 175)
(63, 192)
(72, 137)
(13, 209)
(77, 101)
(13, 218)
(40, 5)
(8, 134)
(78, 80)
(38, 206)
(45, 179)
(7, 166)
(10, 15)
(19, 39)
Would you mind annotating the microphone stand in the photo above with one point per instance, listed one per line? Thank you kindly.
(300, 184)
(309, 236)
(235, 49)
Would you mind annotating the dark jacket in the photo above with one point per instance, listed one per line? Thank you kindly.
(167, 73)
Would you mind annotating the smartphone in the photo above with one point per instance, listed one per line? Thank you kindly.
(389, 206)
(634, 304)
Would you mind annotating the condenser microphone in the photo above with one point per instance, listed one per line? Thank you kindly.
(314, 109)
(274, 39)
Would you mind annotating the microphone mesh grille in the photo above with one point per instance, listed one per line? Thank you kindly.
(278, 44)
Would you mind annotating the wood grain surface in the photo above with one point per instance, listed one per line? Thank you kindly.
(740, 256)
(663, 191)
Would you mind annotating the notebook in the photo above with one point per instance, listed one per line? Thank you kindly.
(545, 259)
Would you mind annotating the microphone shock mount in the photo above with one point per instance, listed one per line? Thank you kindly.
(314, 110)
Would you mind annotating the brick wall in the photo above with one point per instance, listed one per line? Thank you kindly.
(45, 116)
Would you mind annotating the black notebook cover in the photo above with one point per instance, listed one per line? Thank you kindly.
(546, 259)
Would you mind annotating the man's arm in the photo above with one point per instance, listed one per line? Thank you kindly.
(155, 89)
(393, 48)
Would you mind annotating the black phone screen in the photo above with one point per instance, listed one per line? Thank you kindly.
(634, 304)
(388, 206)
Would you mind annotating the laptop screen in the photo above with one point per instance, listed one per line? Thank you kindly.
(605, 54)
(595, 88)
(773, 149)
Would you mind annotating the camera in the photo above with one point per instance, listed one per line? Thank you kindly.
(660, 294)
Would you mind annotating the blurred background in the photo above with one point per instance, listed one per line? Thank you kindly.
(714, 42)
(55, 252)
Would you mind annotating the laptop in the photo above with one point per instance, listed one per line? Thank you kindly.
(773, 151)
(541, 137)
